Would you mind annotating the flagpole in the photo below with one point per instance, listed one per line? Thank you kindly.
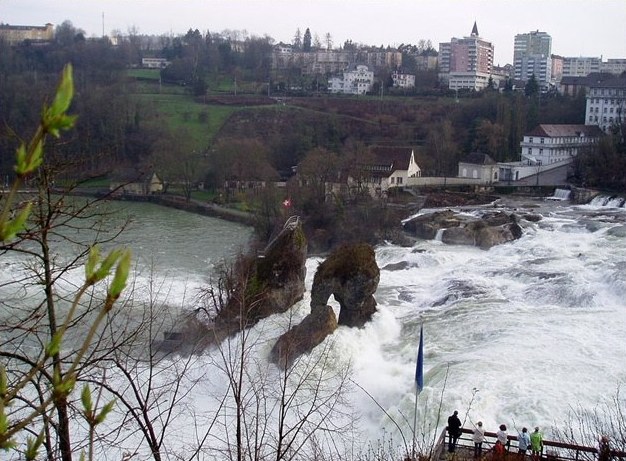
(419, 384)
(417, 393)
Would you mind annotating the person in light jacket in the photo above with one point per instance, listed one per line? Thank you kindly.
(478, 438)
(523, 442)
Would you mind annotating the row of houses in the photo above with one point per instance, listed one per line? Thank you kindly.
(544, 148)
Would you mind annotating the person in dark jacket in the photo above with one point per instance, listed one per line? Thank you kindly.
(454, 431)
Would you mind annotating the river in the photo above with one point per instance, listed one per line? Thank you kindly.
(519, 334)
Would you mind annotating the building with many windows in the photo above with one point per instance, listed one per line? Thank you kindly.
(532, 56)
(606, 101)
(547, 144)
(581, 66)
(613, 66)
(14, 35)
(356, 81)
(466, 62)
(401, 80)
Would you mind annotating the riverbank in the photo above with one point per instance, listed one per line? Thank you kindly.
(180, 203)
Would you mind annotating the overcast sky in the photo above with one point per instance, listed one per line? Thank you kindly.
(578, 28)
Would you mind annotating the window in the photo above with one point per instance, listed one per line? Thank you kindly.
(530, 150)
(392, 179)
(530, 140)
(541, 140)
(399, 181)
(591, 118)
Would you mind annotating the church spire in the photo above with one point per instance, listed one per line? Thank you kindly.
(475, 30)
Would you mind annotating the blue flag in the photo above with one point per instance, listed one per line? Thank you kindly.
(419, 369)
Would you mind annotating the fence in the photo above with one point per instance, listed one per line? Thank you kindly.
(552, 450)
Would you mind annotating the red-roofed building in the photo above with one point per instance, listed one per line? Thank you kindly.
(547, 144)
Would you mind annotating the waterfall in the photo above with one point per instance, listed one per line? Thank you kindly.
(611, 201)
(439, 234)
(561, 195)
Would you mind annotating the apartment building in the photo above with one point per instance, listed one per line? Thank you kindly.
(548, 144)
(401, 80)
(356, 81)
(606, 101)
(466, 62)
(613, 66)
(580, 66)
(332, 61)
(14, 35)
(532, 56)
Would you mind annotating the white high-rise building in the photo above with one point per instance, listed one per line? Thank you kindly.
(532, 56)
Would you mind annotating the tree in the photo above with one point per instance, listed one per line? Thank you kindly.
(297, 40)
(329, 41)
(178, 161)
(532, 87)
(66, 34)
(44, 355)
(306, 40)
(441, 146)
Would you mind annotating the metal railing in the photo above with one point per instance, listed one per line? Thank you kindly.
(552, 450)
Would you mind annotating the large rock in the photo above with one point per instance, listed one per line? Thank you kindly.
(426, 226)
(265, 284)
(492, 228)
(304, 337)
(351, 275)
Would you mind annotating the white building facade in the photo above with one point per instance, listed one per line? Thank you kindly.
(403, 80)
(547, 144)
(606, 103)
(357, 81)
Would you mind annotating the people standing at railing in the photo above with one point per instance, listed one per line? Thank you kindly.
(536, 444)
(478, 438)
(523, 442)
(503, 436)
(454, 431)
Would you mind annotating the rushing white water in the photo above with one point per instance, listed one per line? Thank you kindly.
(517, 334)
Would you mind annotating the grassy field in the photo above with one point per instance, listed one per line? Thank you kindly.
(149, 74)
(181, 111)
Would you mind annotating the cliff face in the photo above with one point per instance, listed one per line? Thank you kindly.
(269, 283)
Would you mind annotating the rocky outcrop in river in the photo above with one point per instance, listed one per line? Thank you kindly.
(485, 231)
(351, 275)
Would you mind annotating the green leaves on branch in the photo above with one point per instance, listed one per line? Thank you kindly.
(32, 446)
(28, 160)
(89, 412)
(6, 443)
(55, 118)
(120, 258)
(10, 227)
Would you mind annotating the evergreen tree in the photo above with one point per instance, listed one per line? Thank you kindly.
(297, 40)
(306, 41)
(532, 86)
